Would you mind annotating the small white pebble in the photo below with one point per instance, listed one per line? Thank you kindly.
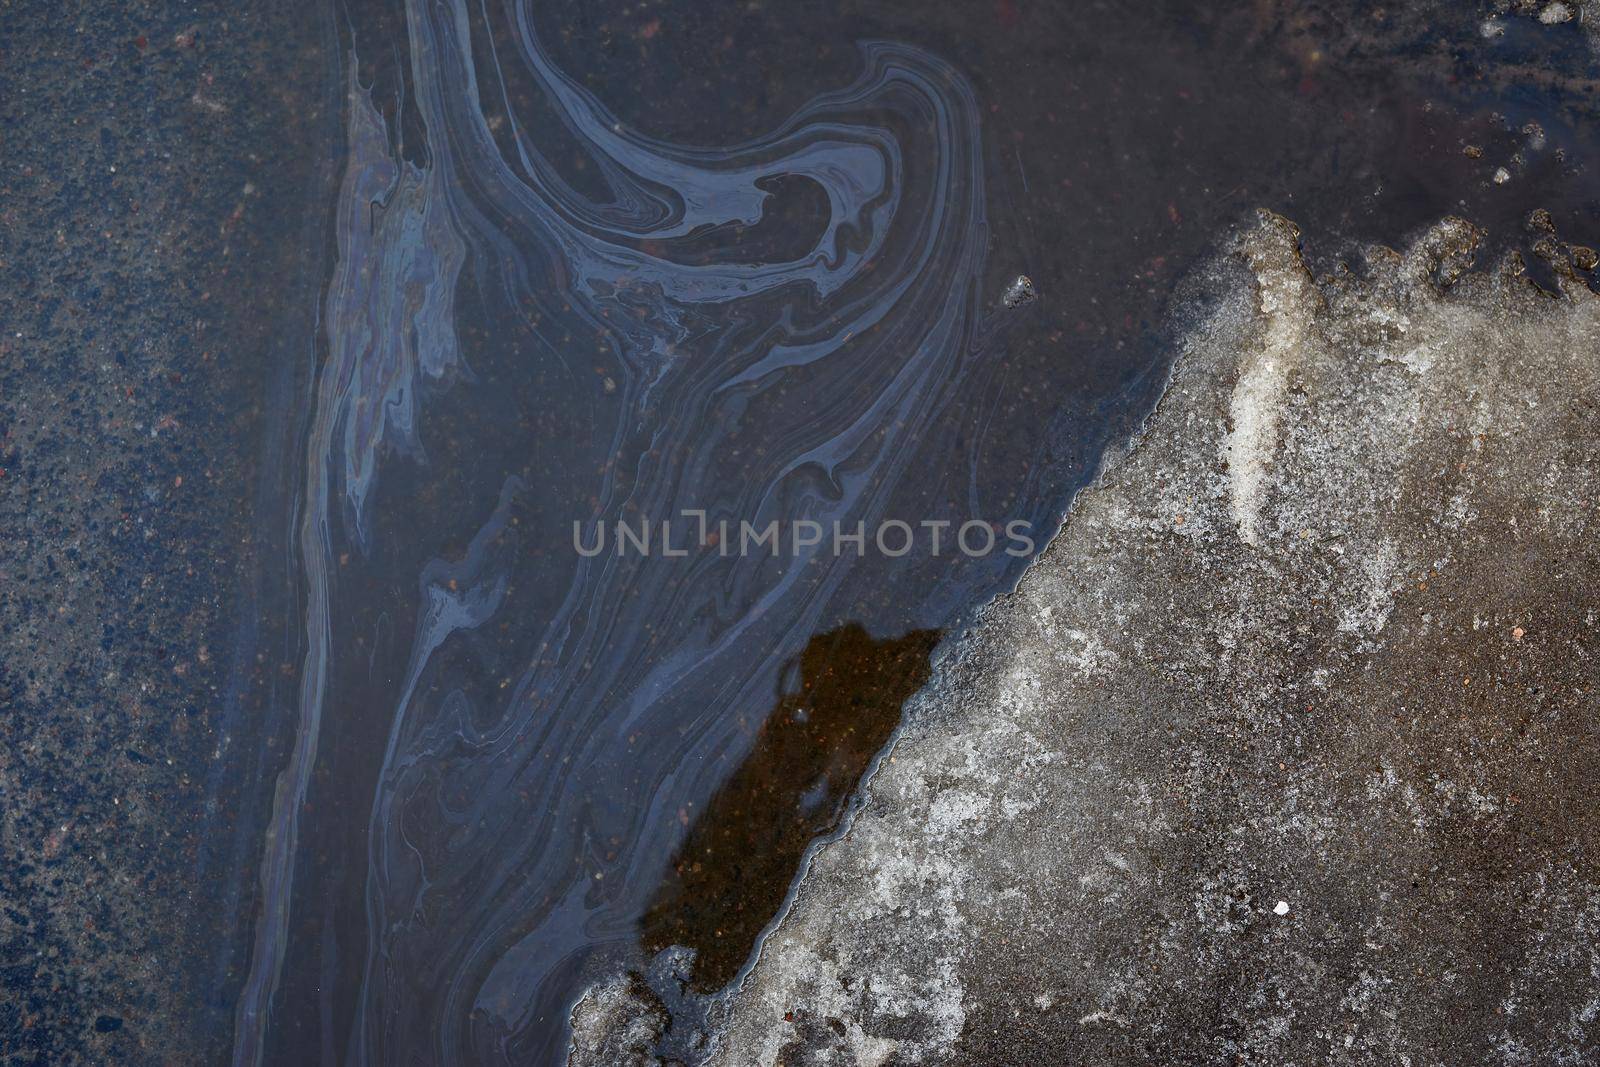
(1491, 28)
(1554, 13)
(1282, 908)
(1501, 176)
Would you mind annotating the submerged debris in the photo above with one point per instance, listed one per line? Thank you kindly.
(1019, 292)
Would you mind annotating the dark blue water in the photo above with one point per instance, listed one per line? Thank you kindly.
(590, 264)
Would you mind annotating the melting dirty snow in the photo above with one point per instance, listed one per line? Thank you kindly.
(1284, 750)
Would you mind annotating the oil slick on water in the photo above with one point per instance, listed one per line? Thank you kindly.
(502, 757)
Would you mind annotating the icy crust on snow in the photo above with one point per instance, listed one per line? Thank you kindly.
(1285, 750)
(616, 1024)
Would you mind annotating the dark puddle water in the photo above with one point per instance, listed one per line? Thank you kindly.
(734, 868)
(599, 263)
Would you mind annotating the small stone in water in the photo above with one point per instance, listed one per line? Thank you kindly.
(1020, 292)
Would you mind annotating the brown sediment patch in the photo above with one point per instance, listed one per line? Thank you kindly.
(734, 869)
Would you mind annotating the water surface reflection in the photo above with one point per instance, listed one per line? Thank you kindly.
(621, 265)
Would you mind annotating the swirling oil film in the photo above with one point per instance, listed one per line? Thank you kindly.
(684, 533)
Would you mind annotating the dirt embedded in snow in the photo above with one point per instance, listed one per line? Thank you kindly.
(1286, 749)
